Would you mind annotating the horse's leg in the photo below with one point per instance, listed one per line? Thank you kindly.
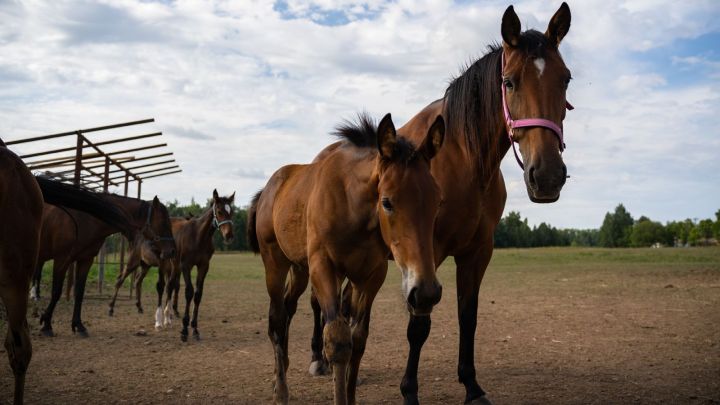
(360, 299)
(189, 294)
(199, 283)
(175, 293)
(138, 286)
(470, 272)
(59, 268)
(318, 363)
(337, 336)
(276, 270)
(297, 285)
(170, 272)
(417, 333)
(160, 289)
(82, 268)
(37, 276)
(17, 340)
(132, 264)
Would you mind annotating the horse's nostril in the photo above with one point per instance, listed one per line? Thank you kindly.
(412, 298)
(531, 175)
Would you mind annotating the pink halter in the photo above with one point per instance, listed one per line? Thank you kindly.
(527, 122)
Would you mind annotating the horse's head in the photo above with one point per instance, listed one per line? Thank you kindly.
(223, 215)
(407, 206)
(535, 80)
(157, 230)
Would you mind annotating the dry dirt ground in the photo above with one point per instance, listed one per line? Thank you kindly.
(561, 326)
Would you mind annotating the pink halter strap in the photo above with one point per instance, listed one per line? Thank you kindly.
(527, 122)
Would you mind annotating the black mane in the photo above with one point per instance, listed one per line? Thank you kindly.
(473, 102)
(362, 133)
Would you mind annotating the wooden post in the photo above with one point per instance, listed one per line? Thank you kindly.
(103, 249)
(76, 182)
(122, 242)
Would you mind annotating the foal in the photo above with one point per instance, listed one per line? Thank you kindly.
(194, 238)
(343, 216)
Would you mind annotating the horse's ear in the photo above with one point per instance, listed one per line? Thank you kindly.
(215, 194)
(232, 197)
(386, 137)
(156, 202)
(511, 27)
(434, 139)
(559, 25)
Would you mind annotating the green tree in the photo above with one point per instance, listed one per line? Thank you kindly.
(513, 231)
(616, 228)
(646, 233)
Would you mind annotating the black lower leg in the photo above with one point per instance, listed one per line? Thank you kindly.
(417, 333)
(466, 358)
(316, 344)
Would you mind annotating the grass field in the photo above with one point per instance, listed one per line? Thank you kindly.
(567, 325)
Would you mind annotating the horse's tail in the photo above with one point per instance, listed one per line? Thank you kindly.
(252, 224)
(66, 195)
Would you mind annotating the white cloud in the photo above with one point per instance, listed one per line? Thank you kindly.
(240, 90)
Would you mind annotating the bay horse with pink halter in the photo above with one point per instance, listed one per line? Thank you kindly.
(516, 93)
(21, 207)
(365, 198)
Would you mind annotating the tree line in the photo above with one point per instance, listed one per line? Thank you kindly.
(619, 229)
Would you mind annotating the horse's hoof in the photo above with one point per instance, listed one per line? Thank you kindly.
(158, 327)
(318, 368)
(47, 332)
(140, 310)
(83, 333)
(281, 394)
(183, 337)
(483, 400)
(196, 335)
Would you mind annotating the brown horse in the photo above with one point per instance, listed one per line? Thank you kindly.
(342, 216)
(69, 236)
(21, 206)
(193, 236)
(195, 249)
(479, 107)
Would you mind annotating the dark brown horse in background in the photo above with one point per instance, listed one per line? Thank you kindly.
(534, 79)
(21, 207)
(342, 216)
(70, 236)
(193, 236)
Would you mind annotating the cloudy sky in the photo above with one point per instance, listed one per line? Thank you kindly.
(240, 88)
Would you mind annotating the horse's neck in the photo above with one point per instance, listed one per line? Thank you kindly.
(131, 207)
(205, 225)
(360, 177)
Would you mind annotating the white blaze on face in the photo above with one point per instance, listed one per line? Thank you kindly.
(408, 281)
(540, 65)
(227, 208)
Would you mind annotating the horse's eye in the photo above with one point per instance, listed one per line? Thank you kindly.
(508, 83)
(387, 205)
(567, 82)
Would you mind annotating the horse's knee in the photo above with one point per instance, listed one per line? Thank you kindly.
(189, 292)
(337, 341)
(19, 349)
